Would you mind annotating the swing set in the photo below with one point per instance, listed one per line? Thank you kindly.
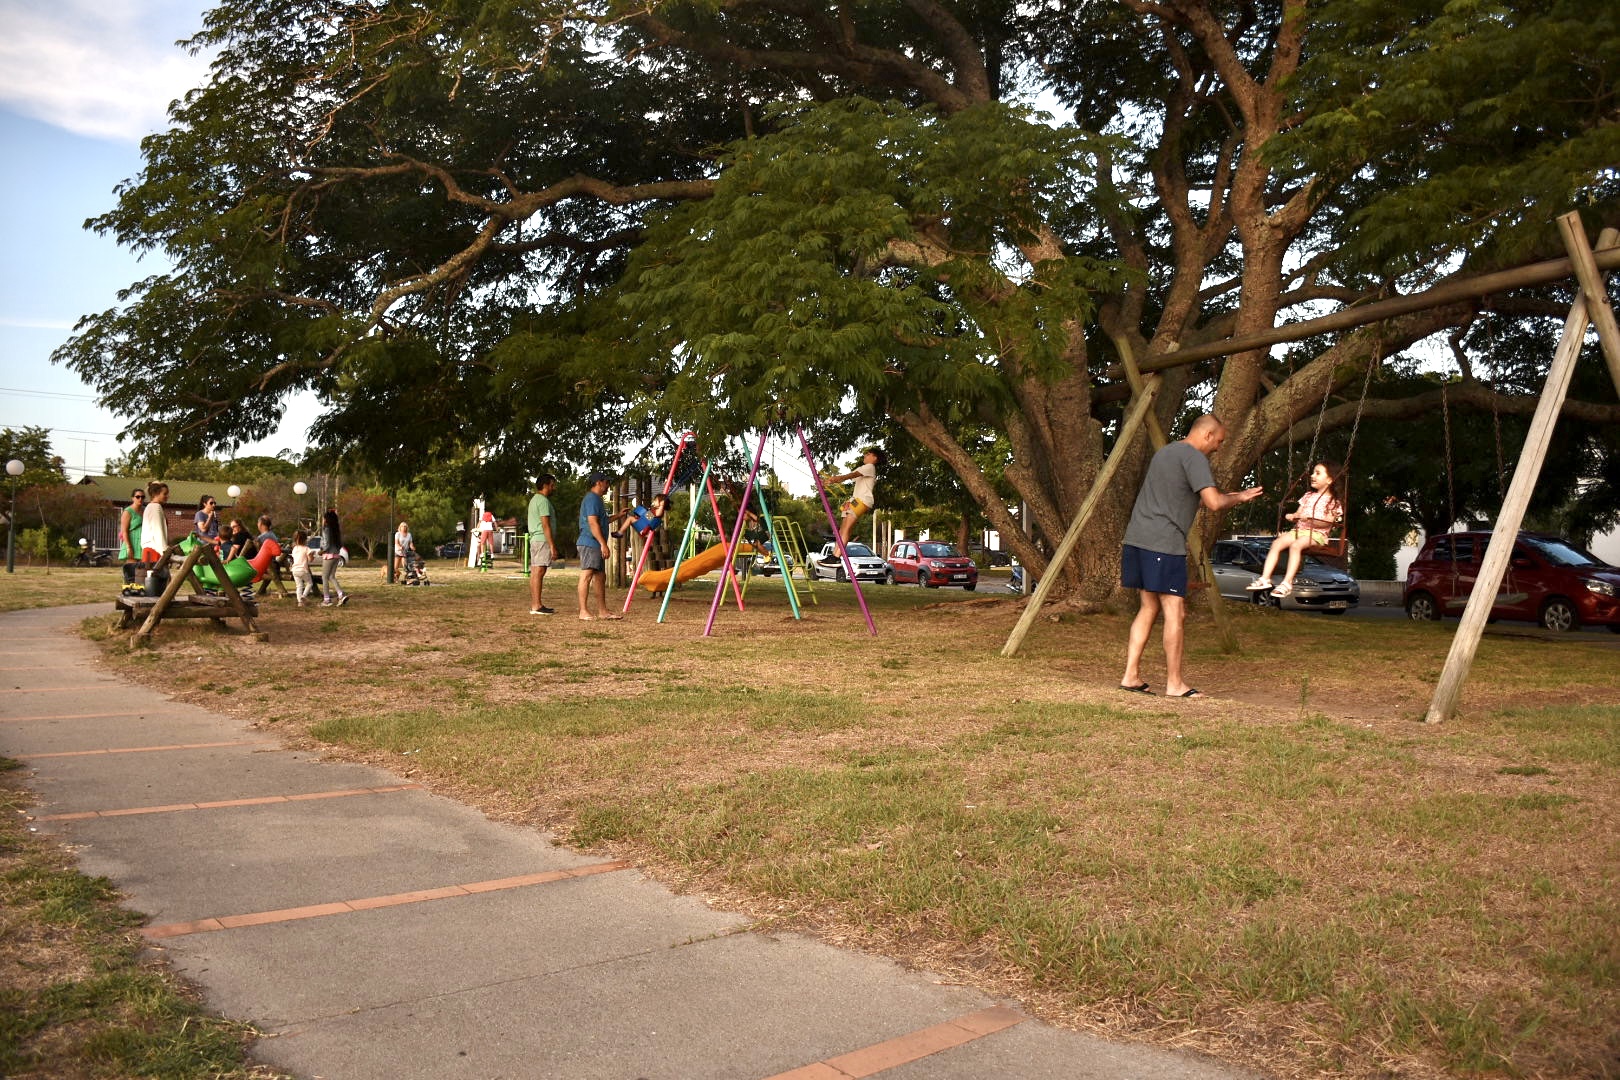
(1591, 306)
(1336, 545)
(783, 536)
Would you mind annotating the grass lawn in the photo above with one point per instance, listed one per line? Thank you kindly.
(1296, 874)
(37, 586)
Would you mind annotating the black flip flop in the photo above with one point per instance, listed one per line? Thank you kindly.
(1142, 689)
(1190, 692)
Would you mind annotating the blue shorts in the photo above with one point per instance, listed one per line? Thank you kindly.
(590, 557)
(1153, 571)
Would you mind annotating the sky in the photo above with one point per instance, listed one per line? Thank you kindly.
(81, 83)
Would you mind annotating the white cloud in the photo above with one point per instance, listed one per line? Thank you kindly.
(103, 68)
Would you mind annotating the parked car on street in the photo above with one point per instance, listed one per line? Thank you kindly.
(931, 564)
(455, 549)
(766, 562)
(1317, 586)
(827, 563)
(1548, 580)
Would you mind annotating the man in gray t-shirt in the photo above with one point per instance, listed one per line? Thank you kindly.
(1154, 560)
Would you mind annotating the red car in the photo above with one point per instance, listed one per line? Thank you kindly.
(931, 565)
(1548, 580)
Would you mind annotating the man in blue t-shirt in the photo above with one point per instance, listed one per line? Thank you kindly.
(592, 543)
(1154, 560)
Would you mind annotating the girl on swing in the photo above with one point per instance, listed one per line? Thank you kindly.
(1320, 509)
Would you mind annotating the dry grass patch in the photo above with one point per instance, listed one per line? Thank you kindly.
(1295, 874)
(39, 586)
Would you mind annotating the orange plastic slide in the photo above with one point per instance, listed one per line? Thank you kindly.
(656, 581)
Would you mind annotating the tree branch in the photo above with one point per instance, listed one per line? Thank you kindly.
(859, 63)
(1468, 392)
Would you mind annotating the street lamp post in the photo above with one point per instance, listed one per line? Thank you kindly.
(14, 469)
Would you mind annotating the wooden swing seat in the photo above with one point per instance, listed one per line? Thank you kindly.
(1337, 547)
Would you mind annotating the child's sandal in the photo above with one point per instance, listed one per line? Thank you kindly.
(1282, 590)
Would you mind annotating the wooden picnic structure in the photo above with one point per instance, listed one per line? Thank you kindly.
(230, 603)
(1591, 307)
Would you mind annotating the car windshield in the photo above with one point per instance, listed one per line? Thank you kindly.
(859, 551)
(1563, 553)
(937, 551)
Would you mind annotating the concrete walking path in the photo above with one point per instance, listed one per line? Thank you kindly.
(371, 929)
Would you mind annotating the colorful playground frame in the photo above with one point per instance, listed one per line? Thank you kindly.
(733, 542)
(684, 550)
(736, 533)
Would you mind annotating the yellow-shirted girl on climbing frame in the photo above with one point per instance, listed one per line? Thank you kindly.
(861, 500)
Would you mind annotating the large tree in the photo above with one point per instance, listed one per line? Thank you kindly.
(534, 227)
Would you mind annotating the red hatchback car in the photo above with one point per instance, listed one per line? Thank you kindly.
(1548, 580)
(931, 565)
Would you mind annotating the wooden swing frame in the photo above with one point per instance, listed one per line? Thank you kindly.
(1591, 306)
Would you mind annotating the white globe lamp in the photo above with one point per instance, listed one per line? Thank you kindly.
(14, 469)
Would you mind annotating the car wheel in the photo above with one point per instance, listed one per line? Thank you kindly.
(888, 577)
(970, 586)
(923, 580)
(1559, 614)
(839, 575)
(1421, 607)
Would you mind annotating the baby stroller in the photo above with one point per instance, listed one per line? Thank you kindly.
(415, 570)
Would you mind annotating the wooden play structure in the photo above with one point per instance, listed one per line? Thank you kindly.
(1591, 307)
(149, 611)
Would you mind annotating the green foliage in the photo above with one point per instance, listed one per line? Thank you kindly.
(490, 236)
(863, 247)
(43, 545)
(1458, 127)
(31, 446)
(432, 515)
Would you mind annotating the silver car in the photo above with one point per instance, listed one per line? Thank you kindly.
(1317, 587)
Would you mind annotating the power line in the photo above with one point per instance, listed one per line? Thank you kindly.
(47, 393)
(65, 431)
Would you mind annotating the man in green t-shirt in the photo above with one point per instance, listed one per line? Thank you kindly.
(542, 542)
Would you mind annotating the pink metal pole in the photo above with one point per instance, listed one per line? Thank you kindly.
(727, 573)
(641, 563)
(843, 549)
(736, 533)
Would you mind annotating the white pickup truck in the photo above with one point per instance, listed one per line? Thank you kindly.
(827, 563)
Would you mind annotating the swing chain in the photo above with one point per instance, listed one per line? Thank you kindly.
(1321, 414)
(1451, 497)
(1496, 414)
(1377, 360)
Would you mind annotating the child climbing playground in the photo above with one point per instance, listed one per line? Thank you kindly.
(643, 519)
(861, 500)
(1320, 509)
